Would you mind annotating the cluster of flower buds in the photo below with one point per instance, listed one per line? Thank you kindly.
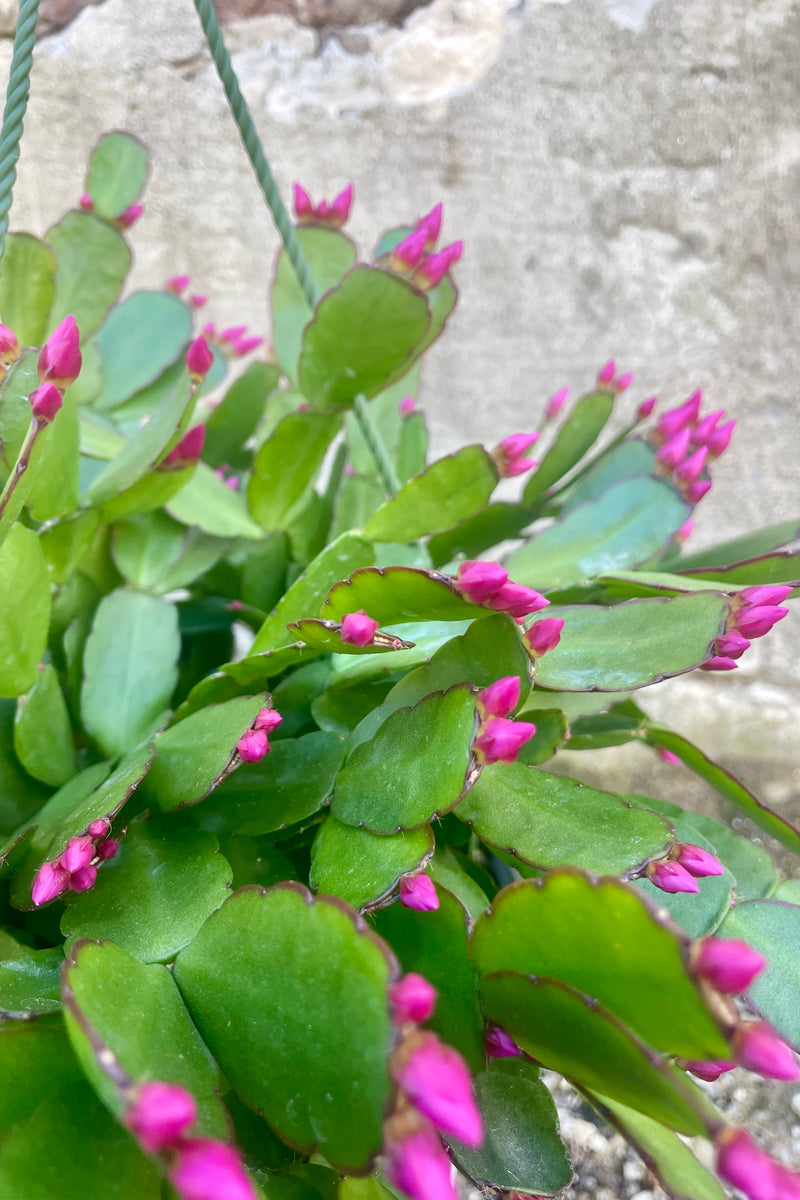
(419, 892)
(233, 342)
(187, 451)
(76, 869)
(124, 221)
(178, 284)
(747, 1167)
(509, 455)
(228, 476)
(160, 1117)
(59, 365)
(608, 380)
(412, 256)
(753, 613)
(679, 873)
(254, 743)
(689, 442)
(331, 212)
(499, 739)
(487, 583)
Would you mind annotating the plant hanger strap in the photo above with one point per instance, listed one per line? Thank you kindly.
(17, 94)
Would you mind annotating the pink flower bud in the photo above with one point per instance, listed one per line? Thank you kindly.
(267, 719)
(206, 1170)
(419, 1167)
(517, 600)
(727, 964)
(621, 383)
(685, 532)
(418, 891)
(108, 848)
(499, 698)
(9, 345)
(674, 450)
(692, 405)
(692, 467)
(645, 409)
(438, 1083)
(130, 216)
(741, 1163)
(731, 644)
(556, 403)
(431, 224)
(515, 446)
(606, 374)
(341, 206)
(477, 581)
(60, 356)
(408, 253)
(720, 439)
(696, 491)
(209, 331)
(543, 635)
(500, 1044)
(670, 877)
(675, 419)
(177, 284)
(187, 451)
(706, 426)
(246, 345)
(46, 401)
(233, 333)
(51, 880)
(160, 1114)
(253, 745)
(358, 628)
(79, 852)
(668, 757)
(518, 466)
(760, 1049)
(199, 359)
(86, 202)
(755, 622)
(719, 662)
(412, 999)
(501, 740)
(699, 862)
(303, 206)
(709, 1071)
(83, 879)
(197, 300)
(322, 211)
(764, 596)
(406, 406)
(99, 828)
(433, 269)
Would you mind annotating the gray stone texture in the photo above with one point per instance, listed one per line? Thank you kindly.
(625, 177)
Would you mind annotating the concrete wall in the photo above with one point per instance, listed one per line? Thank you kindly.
(625, 176)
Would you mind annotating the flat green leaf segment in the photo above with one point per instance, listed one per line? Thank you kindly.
(42, 731)
(633, 644)
(130, 668)
(521, 1147)
(551, 821)
(117, 173)
(27, 287)
(192, 755)
(29, 979)
(397, 595)
(773, 928)
(571, 1033)
(413, 768)
(290, 995)
(141, 338)
(154, 896)
(36, 1059)
(329, 253)
(127, 1023)
(205, 503)
(235, 418)
(25, 605)
(365, 334)
(631, 457)
(600, 936)
(576, 436)
(450, 490)
(92, 262)
(750, 546)
(286, 464)
(363, 868)
(625, 525)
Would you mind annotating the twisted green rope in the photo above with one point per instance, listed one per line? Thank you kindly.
(17, 94)
(294, 251)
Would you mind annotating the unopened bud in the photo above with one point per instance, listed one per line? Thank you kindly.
(199, 359)
(341, 205)
(303, 206)
(431, 223)
(60, 357)
(419, 892)
(187, 451)
(130, 216)
(253, 745)
(358, 629)
(46, 400)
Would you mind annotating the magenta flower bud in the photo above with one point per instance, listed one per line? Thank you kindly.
(206, 1170)
(706, 426)
(671, 423)
(419, 1166)
(645, 409)
(83, 879)
(60, 356)
(267, 719)
(605, 376)
(246, 345)
(699, 862)
(412, 999)
(755, 622)
(763, 597)
(419, 892)
(233, 333)
(431, 224)
(543, 635)
(685, 532)
(499, 698)
(199, 359)
(741, 1163)
(438, 1083)
(760, 1049)
(433, 269)
(731, 644)
(692, 467)
(519, 466)
(668, 757)
(358, 628)
(9, 345)
(719, 662)
(177, 284)
(718, 441)
(621, 383)
(198, 300)
(341, 205)
(674, 449)
(556, 403)
(696, 491)
(51, 880)
(160, 1114)
(709, 1071)
(500, 1044)
(501, 740)
(408, 253)
(130, 216)
(99, 828)
(692, 406)
(406, 406)
(516, 445)
(209, 331)
(253, 745)
(79, 852)
(46, 401)
(108, 848)
(187, 451)
(670, 877)
(86, 202)
(727, 964)
(480, 580)
(322, 211)
(303, 206)
(517, 600)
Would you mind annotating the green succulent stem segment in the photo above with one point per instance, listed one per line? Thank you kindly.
(17, 94)
(283, 223)
(12, 497)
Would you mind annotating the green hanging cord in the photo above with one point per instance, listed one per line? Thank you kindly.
(17, 94)
(294, 251)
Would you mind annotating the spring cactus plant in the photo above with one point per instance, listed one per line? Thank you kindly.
(294, 900)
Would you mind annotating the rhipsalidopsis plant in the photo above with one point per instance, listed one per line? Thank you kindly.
(297, 900)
